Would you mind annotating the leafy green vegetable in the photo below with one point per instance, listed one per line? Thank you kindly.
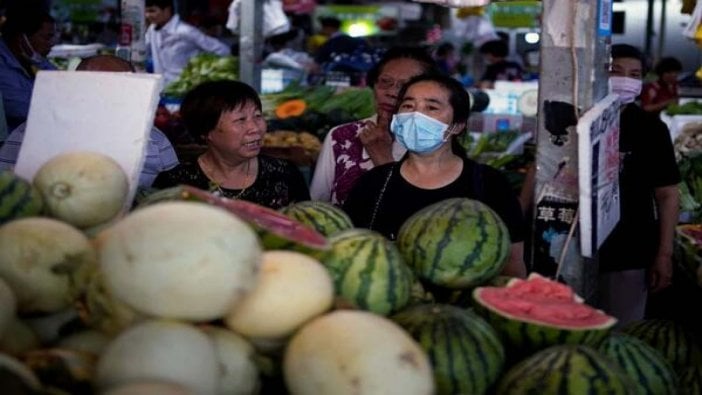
(201, 68)
(689, 108)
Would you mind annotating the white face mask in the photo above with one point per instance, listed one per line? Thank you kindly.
(34, 56)
(626, 87)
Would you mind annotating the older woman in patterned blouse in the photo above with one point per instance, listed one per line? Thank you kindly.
(351, 149)
(227, 116)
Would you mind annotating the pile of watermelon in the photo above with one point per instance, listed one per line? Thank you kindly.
(194, 293)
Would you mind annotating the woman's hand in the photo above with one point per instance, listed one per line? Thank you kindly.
(377, 142)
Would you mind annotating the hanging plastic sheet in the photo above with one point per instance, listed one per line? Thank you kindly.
(274, 19)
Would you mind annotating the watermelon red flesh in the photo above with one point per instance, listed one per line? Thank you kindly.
(543, 302)
(537, 313)
(260, 217)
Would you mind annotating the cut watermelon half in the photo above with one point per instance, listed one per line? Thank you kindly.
(537, 312)
(265, 220)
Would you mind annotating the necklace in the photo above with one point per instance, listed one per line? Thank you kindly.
(215, 187)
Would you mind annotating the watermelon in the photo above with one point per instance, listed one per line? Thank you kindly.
(326, 218)
(456, 243)
(368, 271)
(691, 381)
(465, 352)
(18, 197)
(566, 369)
(276, 230)
(675, 342)
(646, 366)
(536, 313)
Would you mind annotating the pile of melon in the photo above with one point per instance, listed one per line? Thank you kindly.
(190, 293)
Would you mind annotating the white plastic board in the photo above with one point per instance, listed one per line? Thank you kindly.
(106, 112)
(598, 168)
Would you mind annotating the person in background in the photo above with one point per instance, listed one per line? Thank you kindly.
(658, 95)
(281, 56)
(172, 42)
(160, 155)
(637, 256)
(432, 111)
(353, 148)
(337, 42)
(446, 58)
(27, 37)
(499, 68)
(227, 116)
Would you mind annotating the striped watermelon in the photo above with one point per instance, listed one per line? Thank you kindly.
(566, 369)
(646, 366)
(326, 218)
(465, 352)
(368, 271)
(455, 243)
(691, 381)
(676, 343)
(18, 197)
(536, 313)
(276, 230)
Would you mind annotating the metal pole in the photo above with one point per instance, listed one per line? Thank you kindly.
(661, 30)
(573, 69)
(251, 42)
(648, 50)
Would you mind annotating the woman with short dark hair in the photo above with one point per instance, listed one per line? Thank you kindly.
(227, 117)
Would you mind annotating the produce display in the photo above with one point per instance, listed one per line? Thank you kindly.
(18, 197)
(689, 108)
(566, 369)
(201, 68)
(537, 312)
(678, 345)
(688, 152)
(326, 218)
(464, 350)
(368, 271)
(456, 243)
(649, 369)
(688, 242)
(189, 292)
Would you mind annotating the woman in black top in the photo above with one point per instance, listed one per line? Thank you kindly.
(433, 109)
(227, 116)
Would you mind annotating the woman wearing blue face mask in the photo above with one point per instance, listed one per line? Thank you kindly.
(27, 37)
(432, 111)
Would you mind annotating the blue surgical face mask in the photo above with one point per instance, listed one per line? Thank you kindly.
(417, 132)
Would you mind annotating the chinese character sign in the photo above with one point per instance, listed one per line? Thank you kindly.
(598, 173)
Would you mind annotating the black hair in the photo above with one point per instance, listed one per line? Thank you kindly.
(666, 65)
(459, 99)
(204, 104)
(444, 49)
(626, 51)
(330, 21)
(24, 18)
(497, 48)
(418, 54)
(159, 3)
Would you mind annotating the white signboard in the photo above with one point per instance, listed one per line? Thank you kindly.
(106, 112)
(598, 173)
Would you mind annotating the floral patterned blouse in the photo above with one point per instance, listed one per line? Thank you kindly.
(342, 161)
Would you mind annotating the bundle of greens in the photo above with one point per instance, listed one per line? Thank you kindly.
(201, 68)
(688, 151)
